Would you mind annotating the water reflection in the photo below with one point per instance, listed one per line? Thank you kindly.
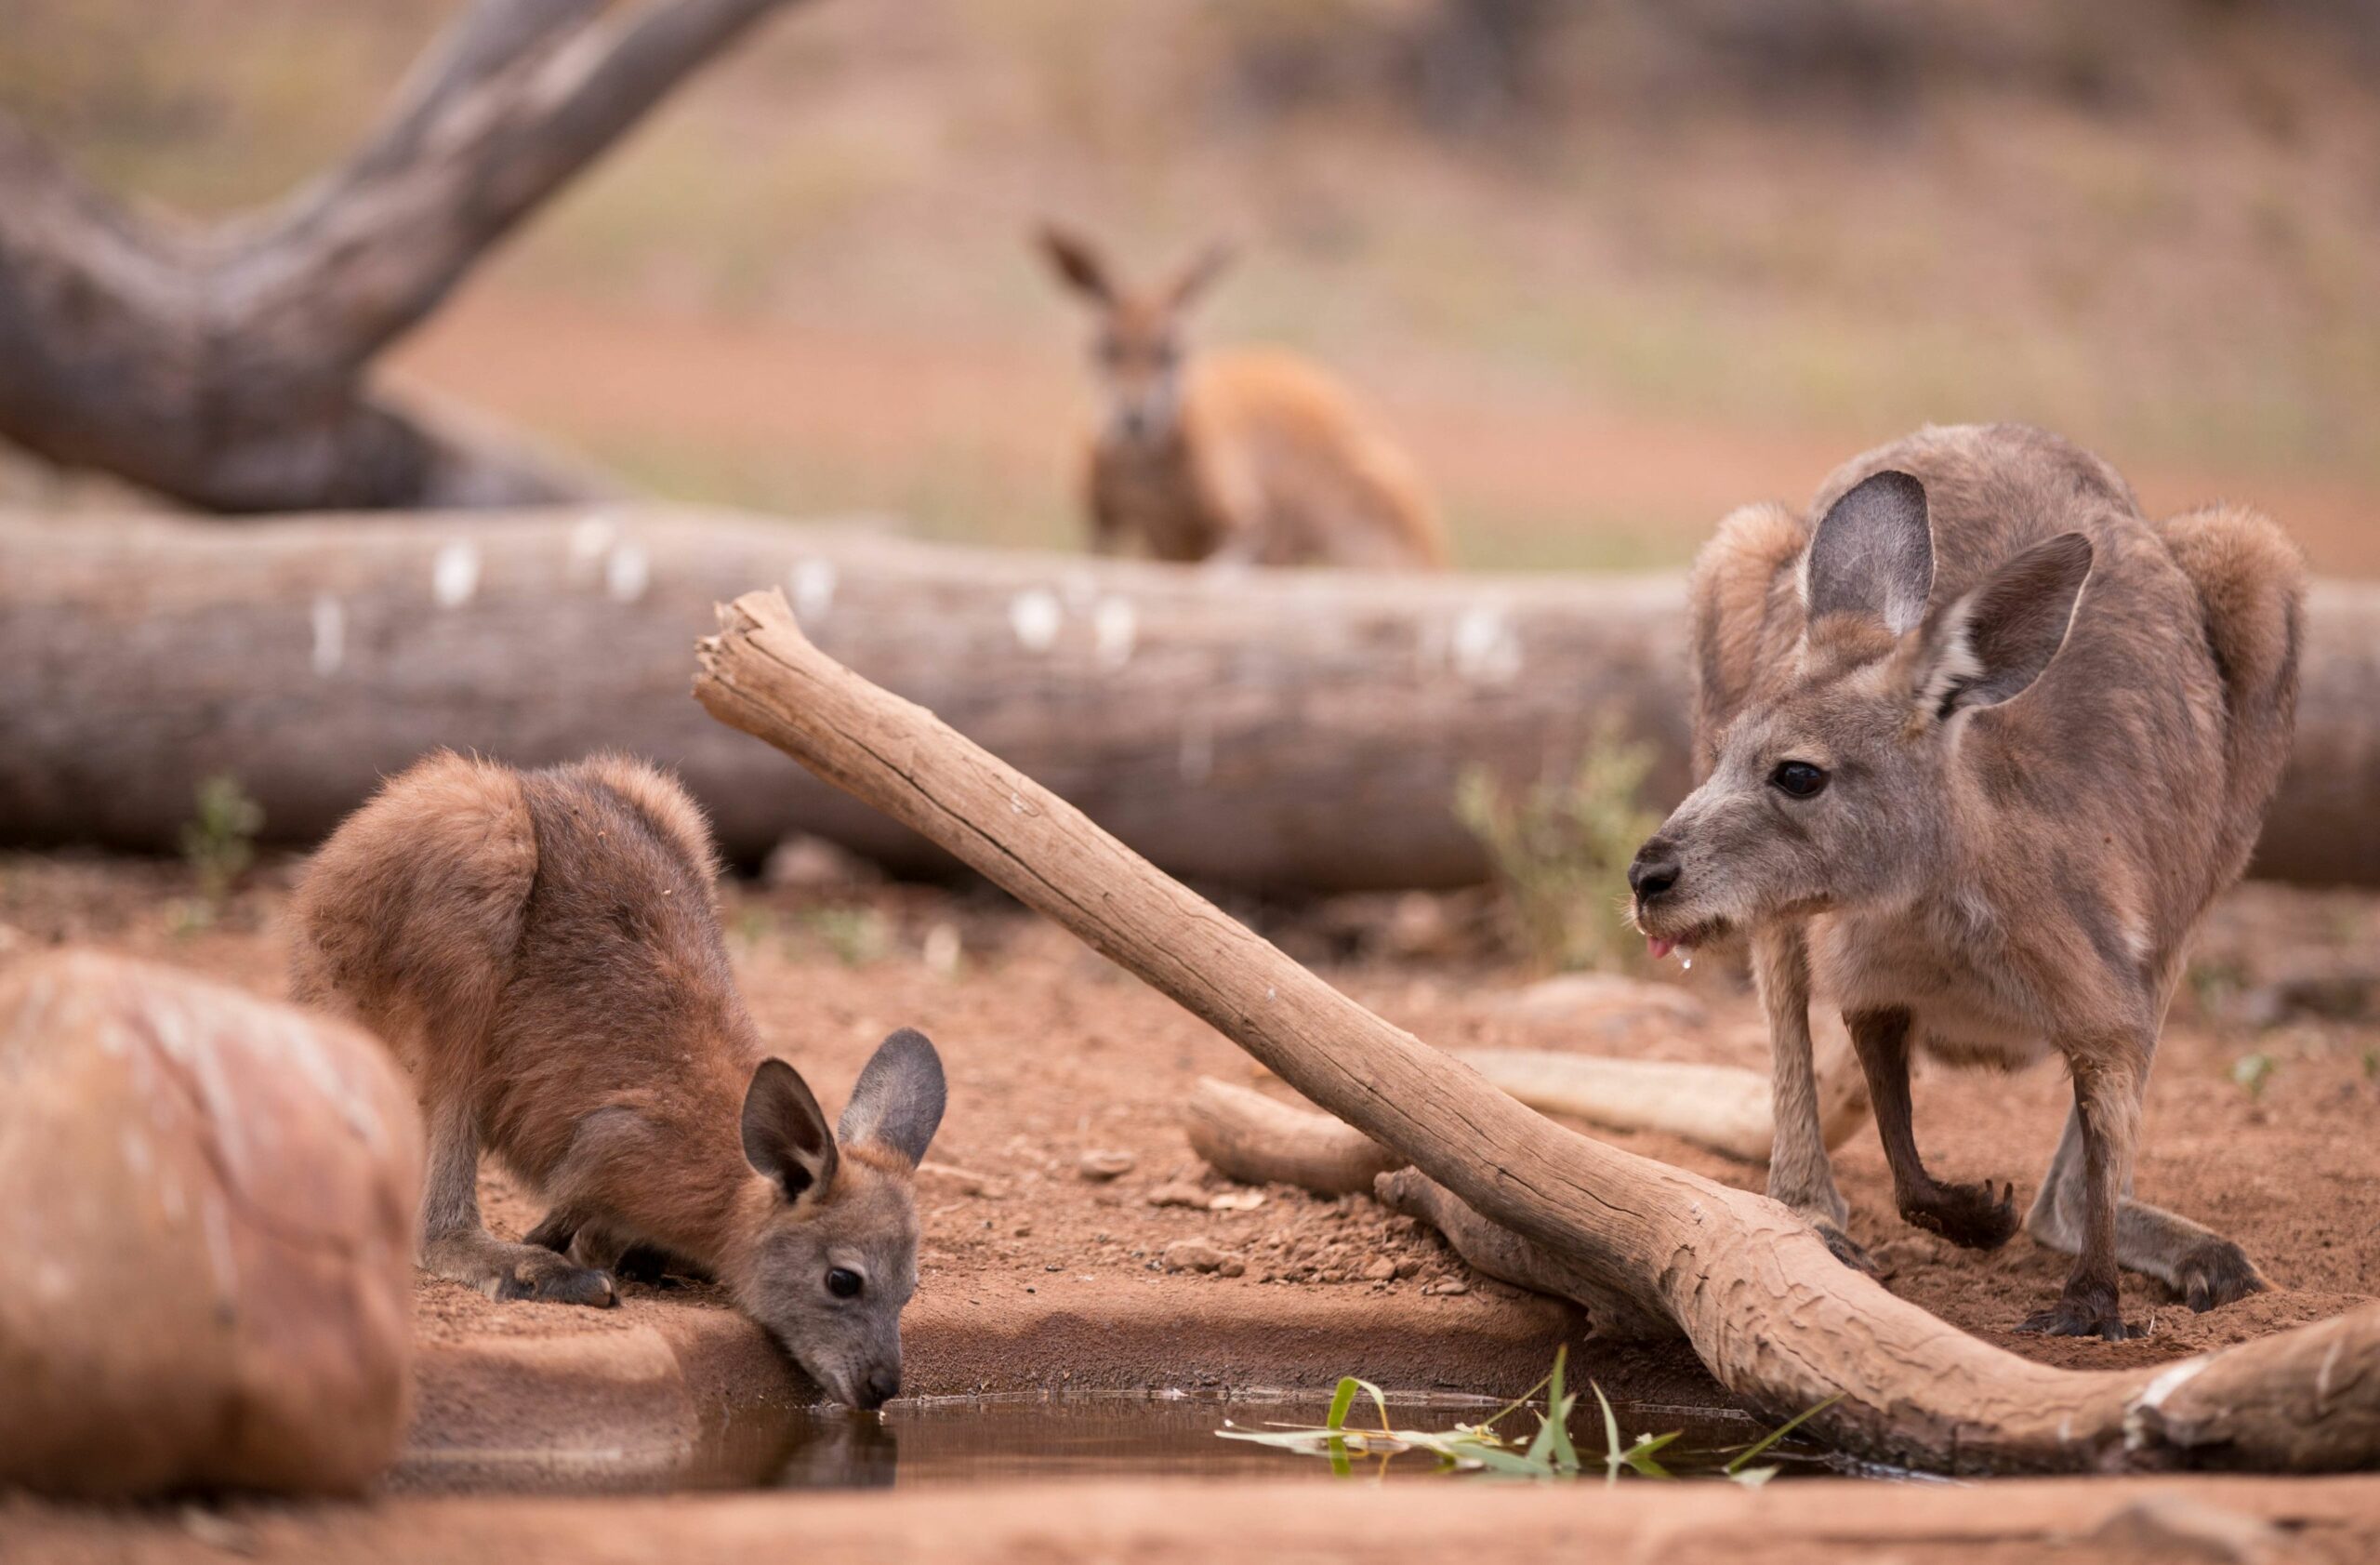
(994, 1440)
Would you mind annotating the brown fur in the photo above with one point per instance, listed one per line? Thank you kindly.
(1252, 455)
(2036, 780)
(542, 951)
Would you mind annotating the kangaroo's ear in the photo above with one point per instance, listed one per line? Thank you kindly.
(1077, 261)
(897, 1101)
(1199, 273)
(1872, 555)
(1992, 643)
(785, 1134)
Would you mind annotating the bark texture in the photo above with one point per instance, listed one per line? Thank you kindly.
(1766, 1307)
(227, 367)
(1291, 729)
(1258, 1140)
(1300, 730)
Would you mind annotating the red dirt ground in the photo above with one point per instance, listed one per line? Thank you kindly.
(1053, 1052)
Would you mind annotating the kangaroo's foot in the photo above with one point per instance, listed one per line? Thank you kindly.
(2083, 1312)
(2218, 1272)
(1968, 1215)
(554, 1231)
(652, 1264)
(1849, 1251)
(518, 1271)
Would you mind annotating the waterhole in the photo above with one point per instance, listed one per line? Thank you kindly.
(1031, 1437)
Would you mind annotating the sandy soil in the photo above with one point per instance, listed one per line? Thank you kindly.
(1054, 1054)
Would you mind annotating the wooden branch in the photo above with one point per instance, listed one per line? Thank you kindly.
(1257, 1140)
(226, 368)
(1722, 1106)
(1768, 1309)
(1613, 1314)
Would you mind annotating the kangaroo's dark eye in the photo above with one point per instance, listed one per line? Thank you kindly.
(1799, 779)
(843, 1283)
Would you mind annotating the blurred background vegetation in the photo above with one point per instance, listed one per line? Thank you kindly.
(1611, 267)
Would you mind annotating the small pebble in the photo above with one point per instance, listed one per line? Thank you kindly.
(1197, 1254)
(1381, 1270)
(1099, 1167)
(1178, 1194)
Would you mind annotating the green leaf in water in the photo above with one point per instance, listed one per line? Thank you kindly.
(1750, 1452)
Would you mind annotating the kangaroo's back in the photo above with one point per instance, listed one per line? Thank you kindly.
(1328, 486)
(407, 919)
(2250, 582)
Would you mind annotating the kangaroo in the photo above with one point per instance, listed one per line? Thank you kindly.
(1974, 752)
(1251, 455)
(542, 951)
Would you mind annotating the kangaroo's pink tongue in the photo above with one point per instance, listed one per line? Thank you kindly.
(1659, 947)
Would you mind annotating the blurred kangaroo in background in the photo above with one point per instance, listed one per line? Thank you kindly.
(1975, 753)
(543, 952)
(1248, 455)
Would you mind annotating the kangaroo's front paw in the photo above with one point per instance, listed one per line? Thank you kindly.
(2218, 1273)
(2087, 1314)
(550, 1279)
(1844, 1248)
(1968, 1215)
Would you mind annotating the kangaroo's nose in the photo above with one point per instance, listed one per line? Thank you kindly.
(1654, 870)
(881, 1388)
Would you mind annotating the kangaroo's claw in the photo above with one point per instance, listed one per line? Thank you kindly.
(2218, 1273)
(1846, 1249)
(550, 1279)
(2083, 1315)
(1968, 1215)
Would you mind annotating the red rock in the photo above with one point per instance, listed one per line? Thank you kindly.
(209, 1225)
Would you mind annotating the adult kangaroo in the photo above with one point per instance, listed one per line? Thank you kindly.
(1976, 750)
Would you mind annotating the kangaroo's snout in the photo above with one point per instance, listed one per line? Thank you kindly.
(881, 1387)
(1655, 869)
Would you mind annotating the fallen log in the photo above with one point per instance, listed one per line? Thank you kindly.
(1296, 729)
(1772, 1315)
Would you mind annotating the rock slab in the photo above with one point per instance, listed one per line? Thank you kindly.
(207, 1204)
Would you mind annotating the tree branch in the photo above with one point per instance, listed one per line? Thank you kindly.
(226, 368)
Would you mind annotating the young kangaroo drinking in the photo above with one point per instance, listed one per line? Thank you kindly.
(1976, 751)
(1250, 455)
(542, 951)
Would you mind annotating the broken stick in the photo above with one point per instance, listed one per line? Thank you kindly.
(1771, 1313)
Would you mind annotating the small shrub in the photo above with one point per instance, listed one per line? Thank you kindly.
(1560, 852)
(219, 841)
(856, 935)
(2252, 1071)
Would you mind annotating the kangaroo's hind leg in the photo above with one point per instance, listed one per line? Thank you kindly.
(456, 1243)
(2205, 1269)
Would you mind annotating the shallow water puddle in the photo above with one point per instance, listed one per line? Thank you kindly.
(1088, 1435)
